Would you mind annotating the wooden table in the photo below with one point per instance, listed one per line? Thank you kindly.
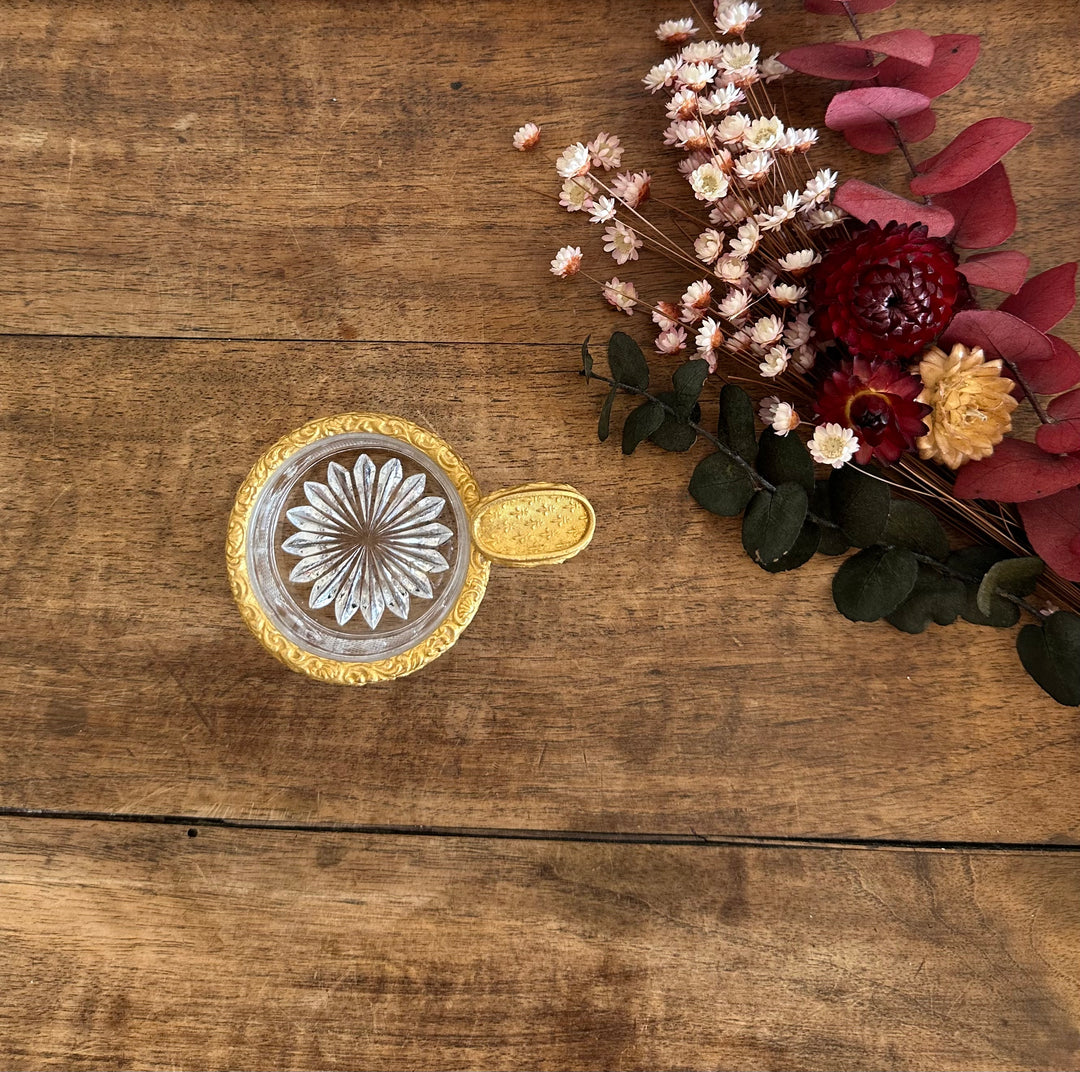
(656, 809)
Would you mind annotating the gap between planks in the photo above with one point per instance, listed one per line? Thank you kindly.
(194, 822)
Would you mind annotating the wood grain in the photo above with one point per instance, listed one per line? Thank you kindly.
(129, 946)
(658, 682)
(344, 170)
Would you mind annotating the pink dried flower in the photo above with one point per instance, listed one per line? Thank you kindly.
(662, 75)
(671, 341)
(605, 151)
(603, 209)
(621, 242)
(622, 295)
(665, 315)
(576, 194)
(683, 105)
(632, 189)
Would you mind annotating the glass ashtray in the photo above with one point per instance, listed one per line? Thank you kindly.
(359, 546)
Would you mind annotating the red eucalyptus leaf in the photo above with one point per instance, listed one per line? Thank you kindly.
(911, 45)
(1045, 299)
(954, 56)
(872, 204)
(826, 60)
(984, 210)
(999, 334)
(879, 137)
(856, 7)
(968, 155)
(1017, 471)
(870, 105)
(1003, 269)
(1053, 527)
(1063, 436)
(1060, 373)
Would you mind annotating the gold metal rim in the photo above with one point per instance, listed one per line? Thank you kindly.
(332, 670)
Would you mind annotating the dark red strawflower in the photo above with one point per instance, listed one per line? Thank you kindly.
(886, 293)
(876, 399)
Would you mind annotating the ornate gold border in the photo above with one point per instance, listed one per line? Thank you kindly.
(333, 670)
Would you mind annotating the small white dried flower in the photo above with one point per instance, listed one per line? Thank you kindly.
(805, 139)
(752, 168)
(774, 362)
(621, 242)
(671, 340)
(733, 18)
(710, 335)
(526, 137)
(819, 188)
(731, 269)
(780, 416)
(622, 295)
(817, 219)
(800, 262)
(720, 101)
(708, 245)
(746, 239)
(780, 214)
(739, 63)
(574, 161)
(803, 358)
(682, 105)
(603, 209)
(833, 445)
(674, 32)
(731, 128)
(708, 182)
(696, 76)
(763, 133)
(763, 281)
(687, 134)
(695, 301)
(701, 52)
(734, 304)
(605, 151)
(567, 262)
(798, 331)
(772, 68)
(766, 331)
(787, 293)
(663, 74)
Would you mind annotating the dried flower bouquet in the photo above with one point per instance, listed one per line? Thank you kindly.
(853, 311)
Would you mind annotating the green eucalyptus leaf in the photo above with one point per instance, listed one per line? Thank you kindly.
(860, 504)
(640, 424)
(802, 550)
(1017, 576)
(721, 485)
(628, 364)
(975, 561)
(675, 433)
(736, 425)
(874, 582)
(586, 359)
(784, 459)
(913, 526)
(603, 429)
(935, 598)
(833, 541)
(774, 522)
(1051, 655)
(688, 380)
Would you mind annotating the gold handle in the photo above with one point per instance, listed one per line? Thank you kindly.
(533, 524)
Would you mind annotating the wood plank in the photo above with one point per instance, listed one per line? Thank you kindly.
(658, 682)
(129, 946)
(326, 170)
